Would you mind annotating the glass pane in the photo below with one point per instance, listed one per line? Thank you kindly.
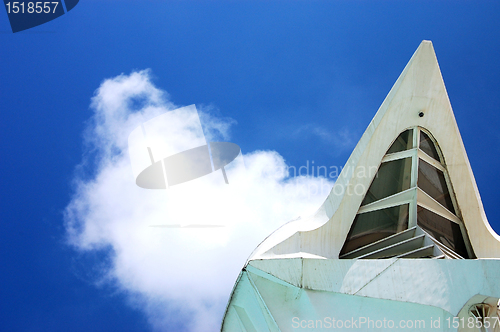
(427, 145)
(392, 177)
(431, 180)
(403, 142)
(372, 226)
(445, 231)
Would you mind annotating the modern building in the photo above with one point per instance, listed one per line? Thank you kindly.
(401, 242)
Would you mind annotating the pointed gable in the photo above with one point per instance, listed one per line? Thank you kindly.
(409, 174)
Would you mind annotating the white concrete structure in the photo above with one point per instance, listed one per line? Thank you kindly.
(401, 240)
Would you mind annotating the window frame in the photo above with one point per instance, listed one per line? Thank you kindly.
(413, 196)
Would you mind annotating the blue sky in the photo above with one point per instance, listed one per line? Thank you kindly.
(303, 78)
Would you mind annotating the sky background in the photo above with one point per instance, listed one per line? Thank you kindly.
(302, 78)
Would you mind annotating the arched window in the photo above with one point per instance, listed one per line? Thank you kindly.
(410, 192)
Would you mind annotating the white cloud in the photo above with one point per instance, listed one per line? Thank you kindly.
(178, 277)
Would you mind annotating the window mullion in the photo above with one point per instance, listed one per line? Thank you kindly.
(412, 213)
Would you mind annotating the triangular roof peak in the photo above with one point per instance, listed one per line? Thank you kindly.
(417, 101)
